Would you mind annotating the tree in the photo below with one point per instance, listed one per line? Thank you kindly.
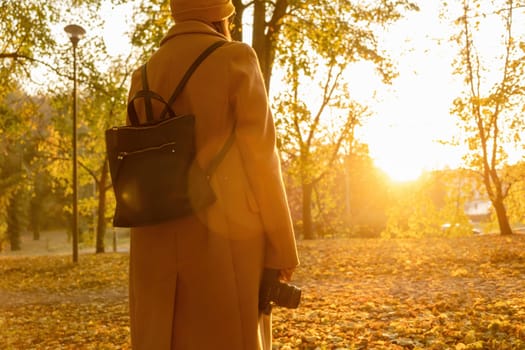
(265, 33)
(14, 226)
(431, 206)
(101, 84)
(26, 37)
(18, 115)
(411, 214)
(273, 18)
(314, 130)
(515, 200)
(350, 201)
(302, 132)
(152, 20)
(367, 193)
(22, 48)
(102, 105)
(457, 187)
(490, 109)
(39, 205)
(104, 108)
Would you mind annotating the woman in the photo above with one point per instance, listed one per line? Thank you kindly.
(194, 281)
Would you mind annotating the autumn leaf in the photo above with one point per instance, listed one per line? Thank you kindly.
(435, 293)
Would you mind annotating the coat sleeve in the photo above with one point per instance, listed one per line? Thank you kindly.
(255, 135)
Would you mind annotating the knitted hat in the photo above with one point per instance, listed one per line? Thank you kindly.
(206, 10)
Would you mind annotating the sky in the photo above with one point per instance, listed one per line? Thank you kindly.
(410, 117)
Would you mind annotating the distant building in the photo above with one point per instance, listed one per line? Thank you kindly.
(478, 210)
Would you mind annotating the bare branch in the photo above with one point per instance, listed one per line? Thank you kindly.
(16, 56)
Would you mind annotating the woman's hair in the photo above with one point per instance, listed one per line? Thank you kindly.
(225, 26)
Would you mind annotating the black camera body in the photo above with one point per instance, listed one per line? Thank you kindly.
(274, 292)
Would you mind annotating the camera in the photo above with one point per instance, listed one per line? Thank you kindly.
(274, 292)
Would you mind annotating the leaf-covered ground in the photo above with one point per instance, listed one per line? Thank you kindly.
(463, 293)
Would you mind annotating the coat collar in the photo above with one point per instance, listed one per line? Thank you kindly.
(190, 27)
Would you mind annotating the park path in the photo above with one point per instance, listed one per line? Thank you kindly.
(57, 242)
(13, 299)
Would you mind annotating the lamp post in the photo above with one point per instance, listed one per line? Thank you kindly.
(75, 33)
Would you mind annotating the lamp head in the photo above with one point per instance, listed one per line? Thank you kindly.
(74, 32)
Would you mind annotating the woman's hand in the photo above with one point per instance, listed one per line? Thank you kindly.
(286, 274)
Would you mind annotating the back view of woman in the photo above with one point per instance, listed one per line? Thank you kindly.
(194, 281)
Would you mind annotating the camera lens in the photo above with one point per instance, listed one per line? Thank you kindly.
(289, 296)
(274, 292)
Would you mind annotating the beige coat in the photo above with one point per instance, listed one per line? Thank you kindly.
(194, 282)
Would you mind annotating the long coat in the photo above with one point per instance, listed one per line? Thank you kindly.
(194, 281)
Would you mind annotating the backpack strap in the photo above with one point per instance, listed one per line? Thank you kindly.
(189, 73)
(147, 97)
(214, 163)
(148, 94)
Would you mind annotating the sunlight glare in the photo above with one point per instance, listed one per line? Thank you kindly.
(399, 159)
(402, 172)
(117, 23)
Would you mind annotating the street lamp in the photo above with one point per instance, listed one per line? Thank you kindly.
(75, 33)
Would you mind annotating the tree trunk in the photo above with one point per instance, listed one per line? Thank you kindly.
(236, 32)
(259, 39)
(503, 220)
(35, 213)
(261, 42)
(101, 215)
(495, 192)
(265, 34)
(14, 223)
(36, 232)
(307, 211)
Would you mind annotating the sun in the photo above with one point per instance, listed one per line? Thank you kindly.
(405, 152)
(399, 172)
(400, 162)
